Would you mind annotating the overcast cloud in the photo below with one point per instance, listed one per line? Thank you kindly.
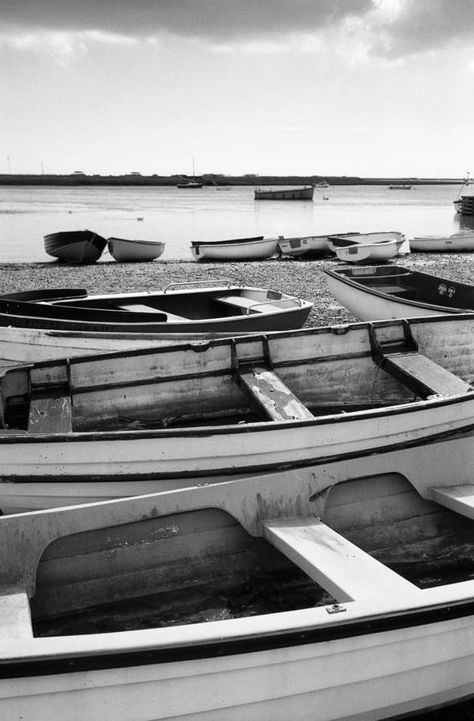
(390, 28)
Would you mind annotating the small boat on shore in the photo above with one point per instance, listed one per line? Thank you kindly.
(308, 246)
(236, 249)
(305, 193)
(268, 598)
(75, 246)
(378, 292)
(120, 424)
(455, 243)
(134, 251)
(207, 309)
(350, 251)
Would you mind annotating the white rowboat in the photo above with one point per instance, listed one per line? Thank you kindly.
(141, 421)
(256, 248)
(134, 251)
(458, 242)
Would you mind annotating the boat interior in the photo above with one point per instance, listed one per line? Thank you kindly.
(214, 558)
(285, 377)
(411, 285)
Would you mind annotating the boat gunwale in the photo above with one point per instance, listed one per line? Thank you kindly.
(351, 281)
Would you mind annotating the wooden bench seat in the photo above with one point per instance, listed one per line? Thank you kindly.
(336, 564)
(457, 498)
(15, 615)
(248, 305)
(51, 414)
(161, 315)
(271, 395)
(397, 290)
(423, 376)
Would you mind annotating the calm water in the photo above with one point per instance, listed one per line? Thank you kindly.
(179, 216)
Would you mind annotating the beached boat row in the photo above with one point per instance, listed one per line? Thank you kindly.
(85, 246)
(310, 522)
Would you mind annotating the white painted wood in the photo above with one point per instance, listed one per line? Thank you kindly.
(332, 561)
(457, 498)
(15, 616)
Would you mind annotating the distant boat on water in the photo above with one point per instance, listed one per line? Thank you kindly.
(190, 184)
(75, 246)
(305, 193)
(400, 186)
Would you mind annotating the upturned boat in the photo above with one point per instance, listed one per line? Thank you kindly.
(75, 246)
(136, 422)
(382, 292)
(177, 310)
(320, 594)
(455, 243)
(254, 248)
(125, 250)
(305, 193)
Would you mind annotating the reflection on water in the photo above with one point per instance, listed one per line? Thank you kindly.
(177, 217)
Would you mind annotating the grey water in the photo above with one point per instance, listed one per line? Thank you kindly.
(178, 217)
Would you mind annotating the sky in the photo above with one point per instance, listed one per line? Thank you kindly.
(373, 88)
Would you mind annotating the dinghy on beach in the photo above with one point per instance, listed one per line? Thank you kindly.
(75, 246)
(125, 250)
(307, 246)
(237, 249)
(129, 423)
(382, 292)
(258, 598)
(455, 243)
(176, 311)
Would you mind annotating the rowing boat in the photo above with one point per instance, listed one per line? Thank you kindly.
(378, 292)
(177, 310)
(342, 594)
(125, 250)
(305, 193)
(75, 246)
(120, 424)
(254, 248)
(455, 243)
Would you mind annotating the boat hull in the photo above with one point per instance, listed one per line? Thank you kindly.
(456, 243)
(259, 249)
(287, 194)
(365, 253)
(45, 461)
(81, 246)
(134, 251)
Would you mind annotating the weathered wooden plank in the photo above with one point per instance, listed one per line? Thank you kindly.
(424, 376)
(249, 305)
(15, 615)
(336, 564)
(457, 498)
(272, 395)
(52, 414)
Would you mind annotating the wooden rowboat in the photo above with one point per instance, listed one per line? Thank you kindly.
(455, 243)
(382, 292)
(207, 309)
(305, 193)
(256, 248)
(136, 422)
(260, 598)
(307, 246)
(75, 246)
(134, 251)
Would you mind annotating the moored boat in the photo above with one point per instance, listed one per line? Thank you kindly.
(174, 312)
(161, 418)
(305, 193)
(125, 250)
(455, 243)
(253, 248)
(351, 592)
(75, 246)
(384, 292)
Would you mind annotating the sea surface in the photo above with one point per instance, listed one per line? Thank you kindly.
(178, 217)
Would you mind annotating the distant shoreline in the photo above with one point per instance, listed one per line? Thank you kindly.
(209, 180)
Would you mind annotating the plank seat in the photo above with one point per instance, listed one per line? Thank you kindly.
(456, 498)
(398, 290)
(15, 615)
(249, 305)
(423, 376)
(51, 414)
(336, 564)
(160, 315)
(272, 396)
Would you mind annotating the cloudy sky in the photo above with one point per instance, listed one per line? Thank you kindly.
(328, 87)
